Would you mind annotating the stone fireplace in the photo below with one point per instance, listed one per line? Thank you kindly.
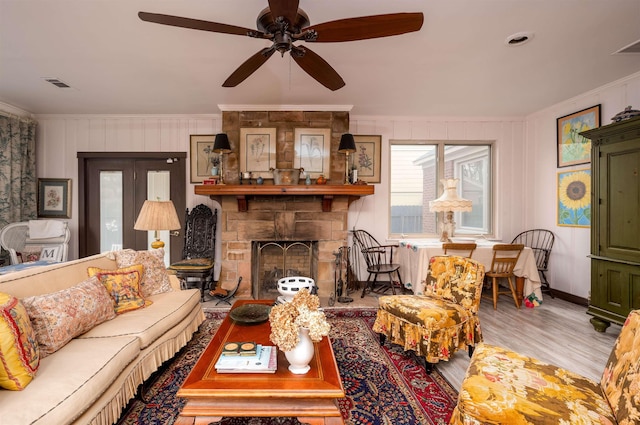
(250, 215)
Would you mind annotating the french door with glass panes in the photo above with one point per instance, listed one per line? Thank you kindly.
(112, 188)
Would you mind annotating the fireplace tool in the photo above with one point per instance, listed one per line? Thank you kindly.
(332, 297)
(339, 286)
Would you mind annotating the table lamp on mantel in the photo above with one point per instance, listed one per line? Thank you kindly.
(221, 146)
(347, 146)
(447, 203)
(156, 216)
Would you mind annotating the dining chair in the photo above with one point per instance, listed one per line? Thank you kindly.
(199, 252)
(540, 241)
(454, 248)
(379, 261)
(505, 257)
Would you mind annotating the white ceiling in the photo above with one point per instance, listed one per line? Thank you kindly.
(456, 65)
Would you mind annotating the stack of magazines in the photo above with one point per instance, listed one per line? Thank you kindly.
(263, 360)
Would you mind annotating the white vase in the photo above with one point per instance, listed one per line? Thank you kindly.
(301, 354)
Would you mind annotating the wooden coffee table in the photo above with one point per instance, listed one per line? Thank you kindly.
(312, 397)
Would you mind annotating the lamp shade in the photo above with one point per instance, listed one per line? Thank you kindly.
(157, 215)
(449, 200)
(347, 143)
(221, 143)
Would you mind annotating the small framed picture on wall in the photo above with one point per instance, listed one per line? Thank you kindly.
(366, 158)
(574, 149)
(54, 198)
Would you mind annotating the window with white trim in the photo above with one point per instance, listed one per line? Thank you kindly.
(416, 171)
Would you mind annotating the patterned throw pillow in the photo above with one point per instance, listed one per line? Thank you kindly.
(59, 316)
(123, 285)
(155, 279)
(19, 352)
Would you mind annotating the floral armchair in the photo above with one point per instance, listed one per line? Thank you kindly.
(443, 320)
(503, 387)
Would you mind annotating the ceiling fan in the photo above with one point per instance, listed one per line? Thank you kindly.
(284, 23)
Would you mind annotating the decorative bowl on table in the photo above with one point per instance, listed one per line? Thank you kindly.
(251, 313)
(291, 285)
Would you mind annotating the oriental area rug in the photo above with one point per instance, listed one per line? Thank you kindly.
(384, 385)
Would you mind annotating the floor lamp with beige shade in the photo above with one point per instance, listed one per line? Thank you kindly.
(156, 216)
(448, 203)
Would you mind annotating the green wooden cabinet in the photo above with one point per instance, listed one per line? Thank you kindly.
(615, 222)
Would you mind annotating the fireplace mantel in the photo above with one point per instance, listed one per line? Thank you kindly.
(328, 191)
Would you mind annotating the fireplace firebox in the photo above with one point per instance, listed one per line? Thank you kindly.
(272, 260)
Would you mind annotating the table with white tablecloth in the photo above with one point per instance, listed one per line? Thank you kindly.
(413, 257)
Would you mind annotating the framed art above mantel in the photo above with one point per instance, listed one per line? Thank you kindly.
(313, 151)
(201, 156)
(367, 157)
(258, 151)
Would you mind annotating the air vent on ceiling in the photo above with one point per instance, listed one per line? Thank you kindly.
(57, 82)
(519, 38)
(631, 48)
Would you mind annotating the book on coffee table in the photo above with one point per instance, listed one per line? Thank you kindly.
(266, 361)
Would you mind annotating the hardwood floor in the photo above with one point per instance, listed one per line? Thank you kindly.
(556, 332)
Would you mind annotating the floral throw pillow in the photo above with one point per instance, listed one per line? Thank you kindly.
(155, 279)
(19, 351)
(123, 285)
(60, 316)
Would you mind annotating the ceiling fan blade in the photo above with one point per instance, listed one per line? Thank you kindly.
(198, 24)
(317, 67)
(365, 27)
(248, 67)
(286, 8)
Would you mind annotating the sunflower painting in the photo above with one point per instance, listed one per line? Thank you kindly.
(574, 198)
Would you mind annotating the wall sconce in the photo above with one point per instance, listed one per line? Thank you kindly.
(347, 146)
(447, 203)
(221, 146)
(156, 216)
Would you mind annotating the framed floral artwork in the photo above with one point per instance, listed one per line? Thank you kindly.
(366, 158)
(574, 198)
(574, 149)
(258, 151)
(54, 198)
(202, 158)
(313, 151)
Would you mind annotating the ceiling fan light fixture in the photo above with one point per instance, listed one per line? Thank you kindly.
(519, 38)
(284, 23)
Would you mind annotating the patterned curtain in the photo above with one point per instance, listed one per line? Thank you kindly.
(18, 188)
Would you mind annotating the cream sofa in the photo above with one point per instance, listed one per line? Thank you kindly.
(91, 378)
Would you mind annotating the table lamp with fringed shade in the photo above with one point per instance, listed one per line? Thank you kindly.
(156, 216)
(447, 203)
(221, 146)
(347, 146)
